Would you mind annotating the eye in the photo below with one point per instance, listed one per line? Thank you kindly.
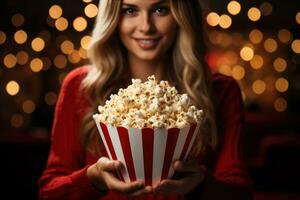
(161, 10)
(129, 11)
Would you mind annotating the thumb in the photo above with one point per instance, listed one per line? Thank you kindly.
(108, 165)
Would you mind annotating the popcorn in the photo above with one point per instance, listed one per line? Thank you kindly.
(149, 105)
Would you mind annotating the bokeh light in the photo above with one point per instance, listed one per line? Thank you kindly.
(246, 53)
(280, 64)
(20, 37)
(36, 65)
(50, 98)
(213, 19)
(238, 72)
(74, 57)
(281, 84)
(17, 20)
(91, 10)
(55, 11)
(85, 41)
(298, 17)
(266, 8)
(234, 7)
(257, 62)
(12, 88)
(80, 24)
(17, 121)
(280, 104)
(270, 45)
(254, 14)
(285, 36)
(87, 1)
(67, 47)
(256, 36)
(38, 44)
(225, 21)
(61, 24)
(2, 37)
(60, 61)
(28, 106)
(296, 46)
(10, 60)
(22, 57)
(225, 69)
(259, 87)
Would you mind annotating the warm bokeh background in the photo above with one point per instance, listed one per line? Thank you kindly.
(256, 42)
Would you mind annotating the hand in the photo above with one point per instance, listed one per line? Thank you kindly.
(192, 175)
(103, 176)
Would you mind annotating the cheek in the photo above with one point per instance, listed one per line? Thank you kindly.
(125, 28)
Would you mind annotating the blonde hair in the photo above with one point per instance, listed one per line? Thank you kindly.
(108, 64)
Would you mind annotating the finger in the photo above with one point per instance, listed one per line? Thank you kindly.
(146, 190)
(119, 186)
(189, 166)
(108, 165)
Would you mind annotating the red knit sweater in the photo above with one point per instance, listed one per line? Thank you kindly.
(65, 175)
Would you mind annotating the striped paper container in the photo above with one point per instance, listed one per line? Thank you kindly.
(147, 154)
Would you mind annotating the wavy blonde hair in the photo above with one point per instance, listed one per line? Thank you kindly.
(109, 64)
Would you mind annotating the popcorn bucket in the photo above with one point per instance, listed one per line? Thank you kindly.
(147, 154)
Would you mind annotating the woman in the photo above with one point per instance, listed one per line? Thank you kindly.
(135, 39)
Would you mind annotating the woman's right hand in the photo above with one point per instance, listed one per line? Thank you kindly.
(103, 176)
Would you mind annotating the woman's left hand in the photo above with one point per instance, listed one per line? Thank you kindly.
(192, 174)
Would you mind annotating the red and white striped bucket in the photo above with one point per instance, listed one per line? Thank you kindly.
(147, 154)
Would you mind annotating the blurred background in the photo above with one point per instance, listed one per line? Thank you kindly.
(256, 42)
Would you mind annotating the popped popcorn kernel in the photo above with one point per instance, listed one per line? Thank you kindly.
(149, 105)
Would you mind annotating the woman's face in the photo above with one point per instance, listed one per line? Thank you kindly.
(147, 28)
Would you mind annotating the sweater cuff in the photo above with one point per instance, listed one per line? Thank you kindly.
(83, 184)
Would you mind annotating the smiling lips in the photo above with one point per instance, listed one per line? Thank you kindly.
(147, 44)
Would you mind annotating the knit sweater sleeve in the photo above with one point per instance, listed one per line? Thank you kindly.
(65, 174)
(228, 179)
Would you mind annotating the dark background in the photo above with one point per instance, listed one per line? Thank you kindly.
(272, 142)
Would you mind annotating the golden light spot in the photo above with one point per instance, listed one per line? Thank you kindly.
(61, 24)
(2, 37)
(17, 20)
(38, 44)
(91, 10)
(234, 7)
(270, 45)
(259, 87)
(28, 106)
(12, 88)
(257, 62)
(238, 72)
(50, 98)
(83, 53)
(246, 53)
(10, 60)
(36, 65)
(74, 57)
(280, 104)
(55, 11)
(225, 69)
(67, 47)
(282, 85)
(22, 57)
(87, 1)
(213, 19)
(280, 64)
(285, 36)
(60, 61)
(298, 17)
(256, 36)
(80, 24)
(17, 121)
(254, 14)
(266, 8)
(85, 41)
(20, 36)
(296, 46)
(225, 21)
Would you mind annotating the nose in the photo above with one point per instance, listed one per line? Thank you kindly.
(146, 24)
